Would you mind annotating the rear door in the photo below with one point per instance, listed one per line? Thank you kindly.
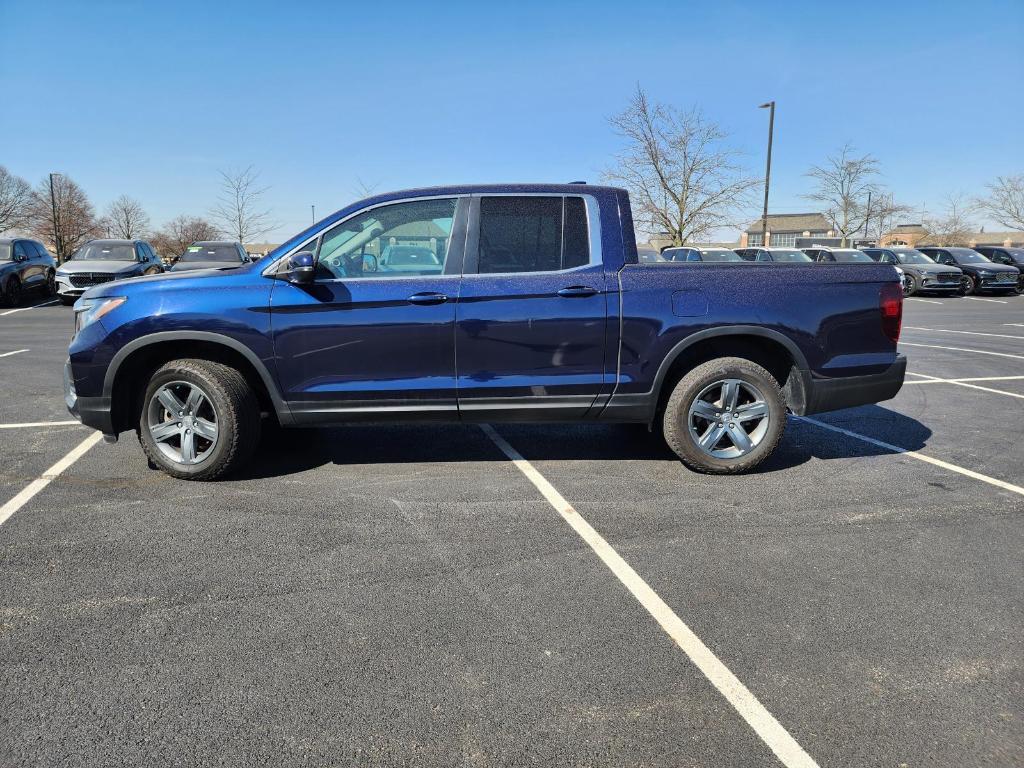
(532, 313)
(31, 270)
(374, 334)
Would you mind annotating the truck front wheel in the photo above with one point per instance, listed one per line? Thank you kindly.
(725, 416)
(199, 419)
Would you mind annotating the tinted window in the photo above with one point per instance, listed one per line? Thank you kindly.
(105, 252)
(400, 240)
(225, 253)
(21, 250)
(532, 234)
(787, 256)
(41, 250)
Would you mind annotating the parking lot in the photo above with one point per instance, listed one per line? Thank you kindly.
(414, 596)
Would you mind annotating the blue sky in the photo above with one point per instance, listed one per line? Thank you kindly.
(151, 99)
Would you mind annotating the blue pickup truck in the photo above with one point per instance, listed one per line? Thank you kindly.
(480, 304)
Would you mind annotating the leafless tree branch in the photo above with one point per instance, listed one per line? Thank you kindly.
(125, 218)
(842, 185)
(681, 176)
(15, 200)
(953, 226)
(180, 232)
(239, 208)
(1005, 201)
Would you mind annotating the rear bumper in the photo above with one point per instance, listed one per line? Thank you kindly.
(849, 391)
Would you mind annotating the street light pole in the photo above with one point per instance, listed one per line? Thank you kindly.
(56, 230)
(767, 172)
(313, 209)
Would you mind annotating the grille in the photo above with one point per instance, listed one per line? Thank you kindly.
(85, 279)
(1005, 277)
(948, 277)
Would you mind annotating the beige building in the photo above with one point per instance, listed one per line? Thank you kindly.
(785, 228)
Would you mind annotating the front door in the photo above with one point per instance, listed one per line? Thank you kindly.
(374, 334)
(530, 329)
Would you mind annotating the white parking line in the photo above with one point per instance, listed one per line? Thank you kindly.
(1015, 325)
(750, 709)
(915, 455)
(978, 298)
(41, 424)
(47, 477)
(963, 349)
(962, 383)
(15, 352)
(26, 309)
(926, 301)
(969, 333)
(936, 380)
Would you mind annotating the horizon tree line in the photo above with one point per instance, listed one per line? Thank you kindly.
(59, 213)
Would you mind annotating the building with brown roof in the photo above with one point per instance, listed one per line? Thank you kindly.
(785, 228)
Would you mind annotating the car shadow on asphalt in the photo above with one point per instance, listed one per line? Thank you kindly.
(288, 451)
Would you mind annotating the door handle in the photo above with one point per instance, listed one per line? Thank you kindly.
(427, 298)
(574, 291)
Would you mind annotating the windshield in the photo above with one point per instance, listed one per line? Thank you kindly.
(910, 256)
(648, 255)
(967, 256)
(793, 255)
(5, 251)
(719, 254)
(851, 256)
(226, 253)
(105, 252)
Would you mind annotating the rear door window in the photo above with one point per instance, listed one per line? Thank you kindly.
(532, 234)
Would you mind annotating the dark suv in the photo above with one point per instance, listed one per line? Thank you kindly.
(25, 265)
(1011, 257)
(922, 274)
(980, 274)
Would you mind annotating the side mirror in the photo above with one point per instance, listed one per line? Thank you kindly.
(301, 268)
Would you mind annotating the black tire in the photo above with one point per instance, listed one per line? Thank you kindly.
(968, 286)
(909, 285)
(51, 283)
(12, 293)
(67, 301)
(677, 415)
(237, 414)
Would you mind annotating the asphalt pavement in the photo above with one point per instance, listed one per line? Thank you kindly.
(408, 595)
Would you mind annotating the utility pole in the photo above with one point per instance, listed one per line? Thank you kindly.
(867, 217)
(58, 246)
(767, 172)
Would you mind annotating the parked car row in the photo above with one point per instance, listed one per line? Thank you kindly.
(929, 268)
(26, 266)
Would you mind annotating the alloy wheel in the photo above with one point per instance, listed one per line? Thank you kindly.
(728, 419)
(182, 422)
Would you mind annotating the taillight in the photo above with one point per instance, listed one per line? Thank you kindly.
(890, 301)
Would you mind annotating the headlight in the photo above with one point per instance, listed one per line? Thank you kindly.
(90, 310)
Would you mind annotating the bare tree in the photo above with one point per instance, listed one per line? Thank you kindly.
(15, 200)
(180, 232)
(239, 209)
(680, 174)
(64, 221)
(1005, 201)
(125, 218)
(953, 226)
(842, 185)
(884, 213)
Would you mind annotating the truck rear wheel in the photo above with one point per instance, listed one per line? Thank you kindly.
(725, 416)
(199, 419)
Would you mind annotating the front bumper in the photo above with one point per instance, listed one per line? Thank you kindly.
(93, 412)
(849, 391)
